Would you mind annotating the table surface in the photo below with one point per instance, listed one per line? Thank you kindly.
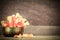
(32, 38)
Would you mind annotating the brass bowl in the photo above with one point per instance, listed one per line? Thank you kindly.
(10, 31)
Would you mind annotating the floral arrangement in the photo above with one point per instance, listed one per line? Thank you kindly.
(15, 21)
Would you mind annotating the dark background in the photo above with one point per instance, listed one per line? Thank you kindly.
(43, 15)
